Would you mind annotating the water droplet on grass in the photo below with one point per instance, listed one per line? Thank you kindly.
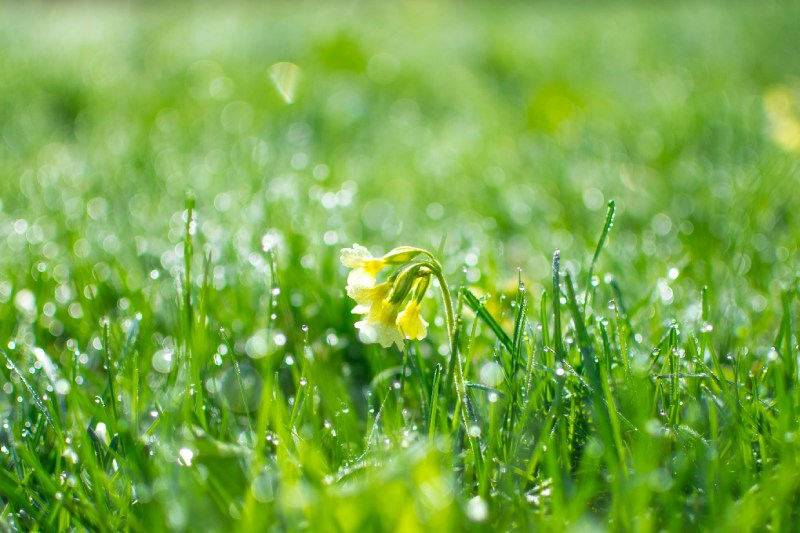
(262, 489)
(186, 455)
(256, 346)
(163, 360)
(70, 455)
(62, 387)
(241, 392)
(491, 374)
(477, 509)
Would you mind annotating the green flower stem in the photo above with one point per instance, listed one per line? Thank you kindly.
(467, 413)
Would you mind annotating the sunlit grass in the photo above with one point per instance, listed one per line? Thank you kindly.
(178, 348)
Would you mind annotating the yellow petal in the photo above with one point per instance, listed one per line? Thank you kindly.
(367, 296)
(380, 325)
(354, 257)
(359, 258)
(359, 278)
(411, 323)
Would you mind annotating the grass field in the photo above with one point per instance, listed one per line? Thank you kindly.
(179, 351)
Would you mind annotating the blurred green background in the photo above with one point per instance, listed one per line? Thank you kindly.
(494, 132)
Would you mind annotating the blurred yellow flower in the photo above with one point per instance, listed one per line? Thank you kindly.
(783, 111)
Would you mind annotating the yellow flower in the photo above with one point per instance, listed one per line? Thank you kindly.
(411, 324)
(783, 112)
(365, 267)
(367, 296)
(380, 324)
(381, 303)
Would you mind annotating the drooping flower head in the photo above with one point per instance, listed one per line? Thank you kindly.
(385, 323)
(386, 320)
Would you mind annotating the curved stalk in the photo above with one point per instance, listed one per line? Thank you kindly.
(467, 414)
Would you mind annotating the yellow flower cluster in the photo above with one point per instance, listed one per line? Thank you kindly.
(388, 319)
(783, 111)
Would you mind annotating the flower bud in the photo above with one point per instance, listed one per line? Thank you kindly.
(400, 255)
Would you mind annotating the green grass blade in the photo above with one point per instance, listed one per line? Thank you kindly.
(609, 222)
(477, 307)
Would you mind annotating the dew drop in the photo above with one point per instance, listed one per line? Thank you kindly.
(62, 387)
(163, 360)
(477, 509)
(261, 487)
(186, 456)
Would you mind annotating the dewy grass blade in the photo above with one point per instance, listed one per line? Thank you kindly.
(15, 492)
(34, 395)
(557, 338)
(533, 347)
(405, 367)
(515, 385)
(186, 286)
(418, 367)
(587, 358)
(612, 207)
(479, 309)
(239, 381)
(433, 410)
(622, 339)
(109, 367)
(783, 342)
(520, 319)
